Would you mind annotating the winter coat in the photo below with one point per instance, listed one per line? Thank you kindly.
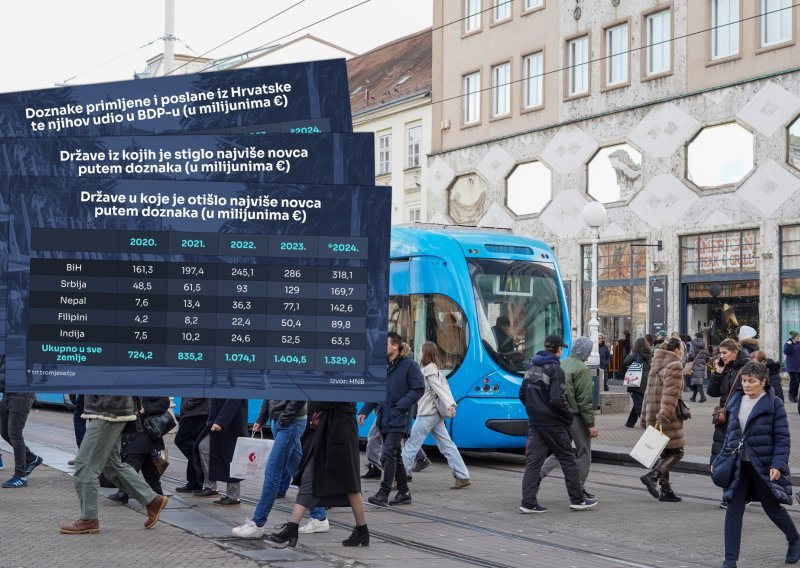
(664, 388)
(774, 369)
(404, 387)
(605, 356)
(767, 444)
(720, 385)
(749, 345)
(544, 393)
(435, 386)
(193, 407)
(579, 389)
(109, 408)
(282, 411)
(334, 445)
(791, 352)
(139, 443)
(646, 358)
(231, 414)
(699, 355)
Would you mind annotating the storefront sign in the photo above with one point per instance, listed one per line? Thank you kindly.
(658, 304)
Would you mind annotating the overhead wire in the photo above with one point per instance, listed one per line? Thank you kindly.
(111, 60)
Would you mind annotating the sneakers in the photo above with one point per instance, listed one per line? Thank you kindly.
(248, 530)
(419, 465)
(227, 502)
(315, 526)
(585, 504)
(37, 461)
(379, 499)
(372, 473)
(187, 489)
(15, 482)
(793, 552)
(205, 493)
(70, 462)
(533, 509)
(724, 505)
(587, 495)
(461, 483)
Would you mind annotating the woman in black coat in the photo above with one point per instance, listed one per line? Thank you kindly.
(726, 368)
(329, 473)
(643, 354)
(137, 448)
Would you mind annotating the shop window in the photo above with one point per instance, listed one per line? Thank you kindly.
(719, 315)
(467, 199)
(616, 261)
(529, 188)
(720, 155)
(615, 173)
(720, 253)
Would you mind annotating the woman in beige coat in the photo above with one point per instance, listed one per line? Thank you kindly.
(664, 388)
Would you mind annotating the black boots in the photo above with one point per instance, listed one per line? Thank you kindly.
(288, 533)
(667, 494)
(372, 473)
(359, 537)
(650, 479)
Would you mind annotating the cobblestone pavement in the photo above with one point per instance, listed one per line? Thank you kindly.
(477, 526)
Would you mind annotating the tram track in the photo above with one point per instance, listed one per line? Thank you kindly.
(421, 546)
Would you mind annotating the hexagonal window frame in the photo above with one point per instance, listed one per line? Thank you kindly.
(794, 166)
(634, 191)
(507, 188)
(453, 183)
(726, 187)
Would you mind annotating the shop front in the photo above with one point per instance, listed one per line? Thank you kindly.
(719, 284)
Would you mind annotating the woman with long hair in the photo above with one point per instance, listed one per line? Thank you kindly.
(643, 354)
(329, 473)
(664, 389)
(430, 420)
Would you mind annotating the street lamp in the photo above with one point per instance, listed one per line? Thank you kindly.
(594, 215)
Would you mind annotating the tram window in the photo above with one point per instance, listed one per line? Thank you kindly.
(431, 317)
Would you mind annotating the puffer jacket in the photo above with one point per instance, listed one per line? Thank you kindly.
(699, 355)
(544, 393)
(767, 444)
(282, 411)
(664, 388)
(720, 385)
(435, 386)
(774, 369)
(109, 408)
(405, 385)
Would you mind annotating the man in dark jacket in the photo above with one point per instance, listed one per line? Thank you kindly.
(605, 358)
(193, 413)
(405, 385)
(14, 410)
(226, 423)
(287, 420)
(791, 352)
(107, 417)
(544, 394)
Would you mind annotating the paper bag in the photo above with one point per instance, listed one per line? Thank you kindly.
(250, 458)
(649, 447)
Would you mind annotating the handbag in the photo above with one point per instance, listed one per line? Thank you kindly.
(725, 463)
(158, 425)
(688, 369)
(633, 376)
(161, 464)
(682, 411)
(649, 447)
(250, 457)
(719, 416)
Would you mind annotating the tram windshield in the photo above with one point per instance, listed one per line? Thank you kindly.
(518, 305)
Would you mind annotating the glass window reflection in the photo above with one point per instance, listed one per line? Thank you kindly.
(529, 188)
(615, 173)
(720, 155)
(467, 199)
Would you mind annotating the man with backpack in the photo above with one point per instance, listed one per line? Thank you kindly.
(544, 394)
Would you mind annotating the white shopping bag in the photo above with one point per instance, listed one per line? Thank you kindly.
(649, 447)
(250, 457)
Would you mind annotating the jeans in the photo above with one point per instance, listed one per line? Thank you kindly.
(98, 453)
(583, 450)
(541, 441)
(433, 424)
(78, 423)
(636, 411)
(189, 429)
(284, 459)
(14, 410)
(391, 460)
(318, 513)
(749, 480)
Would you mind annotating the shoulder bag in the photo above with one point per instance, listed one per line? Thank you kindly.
(682, 411)
(725, 463)
(633, 376)
(719, 417)
(158, 425)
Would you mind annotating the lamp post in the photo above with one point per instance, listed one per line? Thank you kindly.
(594, 215)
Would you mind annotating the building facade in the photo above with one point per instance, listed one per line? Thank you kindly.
(390, 95)
(680, 116)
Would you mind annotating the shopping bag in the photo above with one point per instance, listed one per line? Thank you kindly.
(250, 457)
(649, 447)
(633, 376)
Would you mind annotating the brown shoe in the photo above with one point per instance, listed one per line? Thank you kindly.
(81, 526)
(154, 509)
